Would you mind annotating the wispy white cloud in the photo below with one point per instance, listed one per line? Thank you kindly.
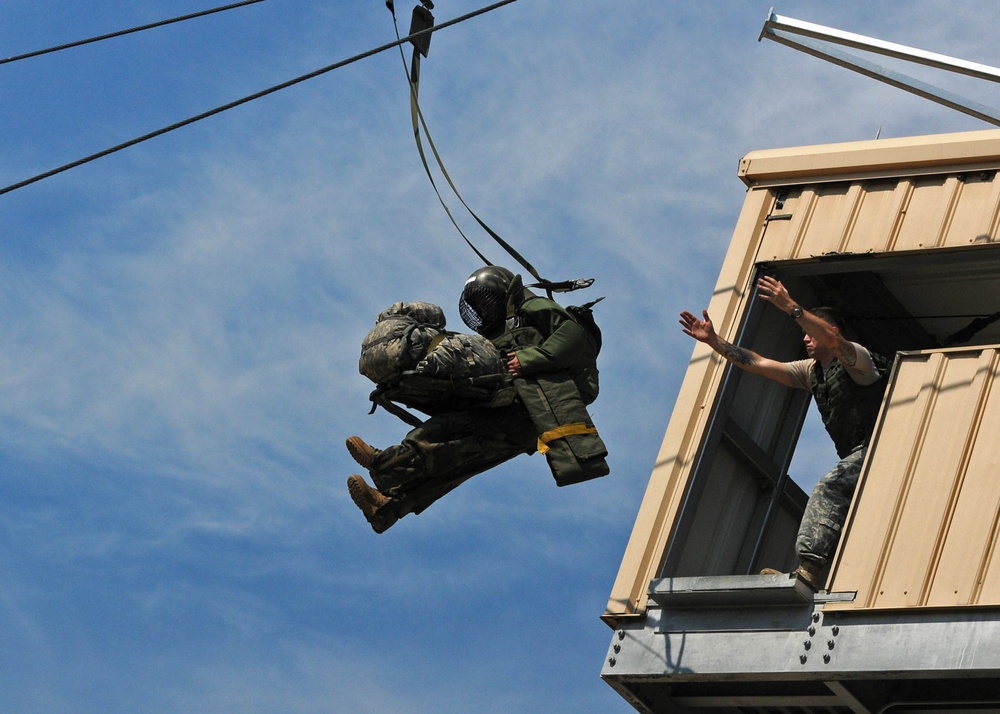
(181, 325)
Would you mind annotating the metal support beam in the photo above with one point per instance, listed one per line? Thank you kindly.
(818, 41)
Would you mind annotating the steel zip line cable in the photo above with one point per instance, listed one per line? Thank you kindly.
(119, 33)
(250, 98)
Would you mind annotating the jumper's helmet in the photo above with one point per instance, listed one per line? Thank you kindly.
(483, 305)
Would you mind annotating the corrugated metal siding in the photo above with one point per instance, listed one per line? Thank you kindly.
(879, 197)
(927, 513)
(883, 215)
(667, 486)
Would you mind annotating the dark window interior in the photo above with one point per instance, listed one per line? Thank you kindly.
(742, 509)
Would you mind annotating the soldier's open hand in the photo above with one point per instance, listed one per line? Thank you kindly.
(701, 330)
(771, 290)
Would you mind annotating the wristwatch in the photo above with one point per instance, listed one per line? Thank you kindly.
(796, 312)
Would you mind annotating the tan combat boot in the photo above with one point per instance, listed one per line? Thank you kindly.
(811, 573)
(374, 505)
(361, 452)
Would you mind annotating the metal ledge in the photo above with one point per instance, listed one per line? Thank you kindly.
(730, 591)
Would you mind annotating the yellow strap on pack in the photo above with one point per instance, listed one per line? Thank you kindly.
(435, 341)
(563, 431)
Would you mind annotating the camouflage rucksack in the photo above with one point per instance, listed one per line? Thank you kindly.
(400, 339)
(418, 364)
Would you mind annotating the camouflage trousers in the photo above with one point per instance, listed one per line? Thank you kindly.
(447, 450)
(826, 511)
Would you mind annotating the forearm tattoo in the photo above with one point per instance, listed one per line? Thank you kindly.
(739, 355)
(847, 354)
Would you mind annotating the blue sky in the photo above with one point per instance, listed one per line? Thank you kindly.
(181, 323)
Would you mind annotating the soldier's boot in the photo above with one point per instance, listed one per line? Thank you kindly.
(376, 507)
(811, 573)
(361, 452)
(365, 454)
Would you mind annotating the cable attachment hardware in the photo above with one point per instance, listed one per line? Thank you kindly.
(564, 286)
(421, 20)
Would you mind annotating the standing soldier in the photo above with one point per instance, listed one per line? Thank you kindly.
(848, 383)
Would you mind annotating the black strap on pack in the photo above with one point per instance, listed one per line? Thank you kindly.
(424, 392)
(379, 399)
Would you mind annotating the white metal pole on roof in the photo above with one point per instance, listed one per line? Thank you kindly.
(789, 31)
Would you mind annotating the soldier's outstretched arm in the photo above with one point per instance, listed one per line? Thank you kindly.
(747, 360)
(773, 291)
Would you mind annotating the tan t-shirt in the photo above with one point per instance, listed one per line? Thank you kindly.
(863, 372)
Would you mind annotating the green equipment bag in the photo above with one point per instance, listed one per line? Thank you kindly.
(567, 436)
(557, 403)
(589, 380)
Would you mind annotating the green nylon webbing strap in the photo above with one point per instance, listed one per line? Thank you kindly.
(417, 117)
